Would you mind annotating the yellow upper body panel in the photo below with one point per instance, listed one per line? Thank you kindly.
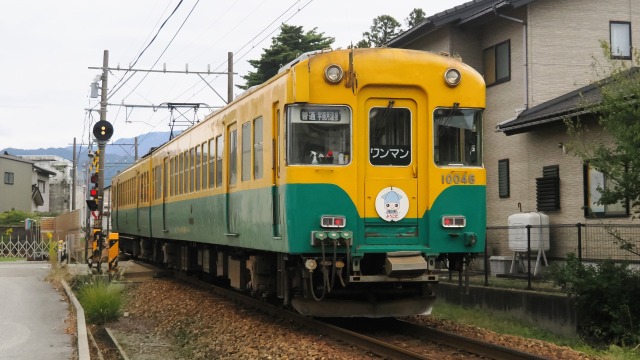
(373, 78)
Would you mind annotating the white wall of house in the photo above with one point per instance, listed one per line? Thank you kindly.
(562, 45)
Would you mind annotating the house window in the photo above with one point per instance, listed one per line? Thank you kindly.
(497, 63)
(8, 178)
(620, 34)
(503, 178)
(595, 182)
(548, 189)
(41, 186)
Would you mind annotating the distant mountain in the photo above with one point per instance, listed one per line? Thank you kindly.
(119, 153)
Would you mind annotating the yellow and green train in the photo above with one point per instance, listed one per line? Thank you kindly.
(334, 186)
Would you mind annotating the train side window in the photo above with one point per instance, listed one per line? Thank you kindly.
(204, 160)
(219, 156)
(198, 166)
(165, 177)
(192, 166)
(233, 157)
(211, 161)
(257, 148)
(172, 164)
(157, 182)
(185, 184)
(181, 174)
(246, 151)
(389, 136)
(318, 135)
(457, 136)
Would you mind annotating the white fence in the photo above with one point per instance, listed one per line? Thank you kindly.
(25, 247)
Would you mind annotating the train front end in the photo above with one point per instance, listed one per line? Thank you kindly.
(381, 179)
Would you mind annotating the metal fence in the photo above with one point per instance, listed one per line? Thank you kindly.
(589, 242)
(29, 248)
(524, 252)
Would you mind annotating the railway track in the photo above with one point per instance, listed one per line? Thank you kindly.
(376, 344)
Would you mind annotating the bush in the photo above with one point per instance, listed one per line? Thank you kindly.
(102, 302)
(606, 300)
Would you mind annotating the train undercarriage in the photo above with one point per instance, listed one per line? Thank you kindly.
(381, 285)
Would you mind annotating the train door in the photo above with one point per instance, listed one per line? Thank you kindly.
(165, 191)
(391, 171)
(275, 170)
(138, 194)
(232, 178)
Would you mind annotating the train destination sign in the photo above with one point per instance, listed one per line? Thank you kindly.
(320, 114)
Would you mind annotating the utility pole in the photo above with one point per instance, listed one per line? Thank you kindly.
(73, 177)
(230, 77)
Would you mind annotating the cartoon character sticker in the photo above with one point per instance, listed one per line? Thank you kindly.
(392, 204)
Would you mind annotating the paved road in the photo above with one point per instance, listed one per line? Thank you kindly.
(32, 314)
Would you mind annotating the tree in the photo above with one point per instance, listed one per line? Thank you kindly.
(384, 28)
(416, 16)
(616, 156)
(288, 45)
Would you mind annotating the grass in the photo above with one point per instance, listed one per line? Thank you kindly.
(10, 259)
(102, 301)
(505, 324)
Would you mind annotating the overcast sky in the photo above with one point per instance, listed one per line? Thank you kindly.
(48, 46)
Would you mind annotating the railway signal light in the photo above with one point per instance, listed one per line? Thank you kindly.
(103, 130)
(92, 202)
(92, 205)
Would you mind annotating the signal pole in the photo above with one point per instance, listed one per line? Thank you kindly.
(102, 143)
(102, 131)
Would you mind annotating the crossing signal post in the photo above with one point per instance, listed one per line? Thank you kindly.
(102, 131)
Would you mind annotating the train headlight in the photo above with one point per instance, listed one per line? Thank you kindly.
(333, 74)
(454, 221)
(452, 77)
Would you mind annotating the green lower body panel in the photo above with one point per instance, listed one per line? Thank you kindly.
(285, 219)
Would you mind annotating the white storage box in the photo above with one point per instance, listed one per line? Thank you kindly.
(500, 264)
(518, 232)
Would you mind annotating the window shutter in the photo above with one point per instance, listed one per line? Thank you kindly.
(548, 189)
(503, 178)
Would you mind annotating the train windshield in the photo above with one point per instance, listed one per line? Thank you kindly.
(390, 136)
(457, 136)
(318, 135)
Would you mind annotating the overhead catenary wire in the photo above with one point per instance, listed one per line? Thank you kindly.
(238, 58)
(161, 54)
(265, 33)
(114, 90)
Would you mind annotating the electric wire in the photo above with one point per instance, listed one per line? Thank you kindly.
(237, 59)
(123, 81)
(163, 51)
(114, 90)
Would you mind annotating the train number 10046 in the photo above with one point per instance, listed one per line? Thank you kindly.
(458, 178)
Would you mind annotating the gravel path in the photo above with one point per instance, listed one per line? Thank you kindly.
(169, 320)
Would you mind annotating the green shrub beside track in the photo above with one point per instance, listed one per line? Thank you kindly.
(102, 301)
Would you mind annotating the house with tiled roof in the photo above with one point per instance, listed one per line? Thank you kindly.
(537, 58)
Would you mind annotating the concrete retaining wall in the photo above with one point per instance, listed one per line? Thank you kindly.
(553, 312)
